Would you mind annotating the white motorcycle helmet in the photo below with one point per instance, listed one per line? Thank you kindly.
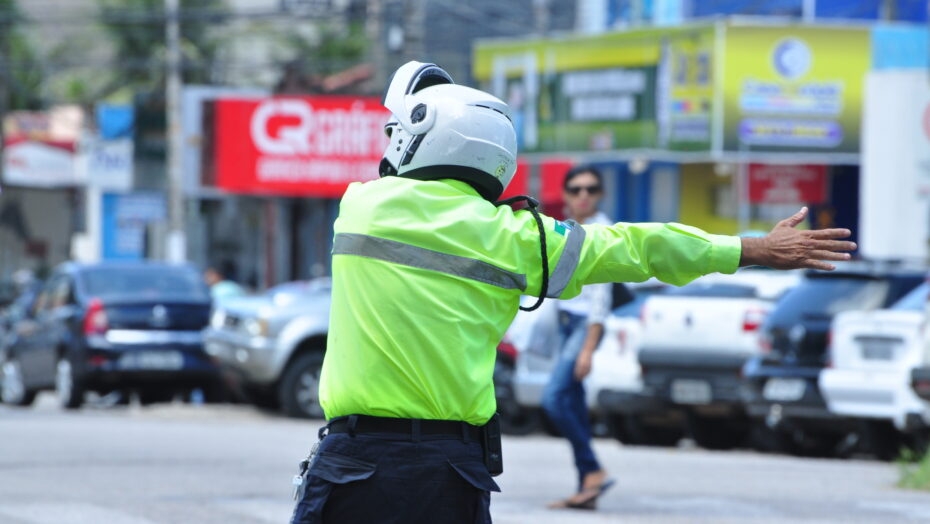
(442, 130)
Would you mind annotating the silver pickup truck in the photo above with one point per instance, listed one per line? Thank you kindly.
(694, 342)
(271, 346)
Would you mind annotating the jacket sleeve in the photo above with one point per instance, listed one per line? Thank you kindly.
(673, 253)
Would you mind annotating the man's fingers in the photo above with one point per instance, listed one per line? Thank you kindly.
(819, 264)
(824, 234)
(794, 219)
(829, 255)
(835, 245)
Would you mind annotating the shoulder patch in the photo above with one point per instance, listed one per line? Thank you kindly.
(562, 228)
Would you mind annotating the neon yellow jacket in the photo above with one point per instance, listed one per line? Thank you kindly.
(427, 276)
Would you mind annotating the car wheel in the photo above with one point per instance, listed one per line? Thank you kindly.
(639, 432)
(67, 388)
(13, 389)
(515, 419)
(148, 397)
(262, 397)
(299, 392)
(882, 440)
(717, 433)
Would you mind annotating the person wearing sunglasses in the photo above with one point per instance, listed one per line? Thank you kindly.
(428, 270)
(581, 326)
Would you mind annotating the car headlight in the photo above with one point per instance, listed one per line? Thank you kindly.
(256, 327)
(217, 319)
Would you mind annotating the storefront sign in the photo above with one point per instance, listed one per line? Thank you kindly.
(311, 146)
(794, 88)
(579, 94)
(787, 184)
(124, 220)
(39, 147)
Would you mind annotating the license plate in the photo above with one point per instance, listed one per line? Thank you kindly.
(152, 360)
(690, 391)
(877, 351)
(784, 389)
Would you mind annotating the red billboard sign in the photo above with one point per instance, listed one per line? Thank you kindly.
(787, 184)
(302, 146)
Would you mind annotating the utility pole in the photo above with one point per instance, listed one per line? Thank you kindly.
(414, 22)
(6, 24)
(375, 29)
(176, 248)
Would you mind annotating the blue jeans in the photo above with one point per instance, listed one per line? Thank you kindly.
(564, 396)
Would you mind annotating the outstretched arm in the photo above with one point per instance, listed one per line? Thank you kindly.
(786, 247)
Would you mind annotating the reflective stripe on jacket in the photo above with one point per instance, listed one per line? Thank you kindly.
(427, 276)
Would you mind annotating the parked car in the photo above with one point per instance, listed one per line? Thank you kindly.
(868, 374)
(16, 310)
(112, 327)
(695, 340)
(615, 385)
(920, 375)
(780, 387)
(271, 346)
(530, 349)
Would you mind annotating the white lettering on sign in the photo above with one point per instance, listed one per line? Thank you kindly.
(289, 127)
(297, 170)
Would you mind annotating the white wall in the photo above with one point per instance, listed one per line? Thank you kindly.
(894, 219)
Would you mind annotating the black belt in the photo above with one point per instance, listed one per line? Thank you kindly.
(408, 428)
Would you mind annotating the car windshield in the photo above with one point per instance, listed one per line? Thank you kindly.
(916, 300)
(144, 282)
(827, 296)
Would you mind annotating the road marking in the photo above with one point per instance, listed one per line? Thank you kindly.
(707, 506)
(272, 511)
(910, 510)
(70, 512)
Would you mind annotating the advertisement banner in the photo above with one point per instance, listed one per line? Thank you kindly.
(686, 91)
(40, 147)
(302, 146)
(577, 94)
(124, 220)
(107, 164)
(794, 89)
(895, 180)
(787, 184)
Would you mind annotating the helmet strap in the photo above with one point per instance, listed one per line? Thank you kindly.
(532, 204)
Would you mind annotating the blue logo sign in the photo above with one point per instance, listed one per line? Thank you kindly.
(792, 58)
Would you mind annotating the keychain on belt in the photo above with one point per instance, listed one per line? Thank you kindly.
(304, 466)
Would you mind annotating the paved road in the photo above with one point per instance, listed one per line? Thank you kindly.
(231, 464)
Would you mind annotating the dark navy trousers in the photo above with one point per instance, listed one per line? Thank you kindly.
(386, 478)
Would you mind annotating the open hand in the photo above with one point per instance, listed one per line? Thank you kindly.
(786, 247)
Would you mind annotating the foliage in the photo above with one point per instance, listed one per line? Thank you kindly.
(915, 471)
(20, 68)
(136, 29)
(333, 51)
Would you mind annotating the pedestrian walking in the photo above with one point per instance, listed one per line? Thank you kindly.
(581, 326)
(427, 273)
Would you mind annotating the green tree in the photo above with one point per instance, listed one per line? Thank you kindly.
(137, 31)
(21, 72)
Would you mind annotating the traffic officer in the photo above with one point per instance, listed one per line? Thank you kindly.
(428, 270)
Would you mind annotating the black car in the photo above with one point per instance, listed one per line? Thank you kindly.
(126, 327)
(780, 388)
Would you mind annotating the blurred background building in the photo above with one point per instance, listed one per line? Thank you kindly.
(724, 114)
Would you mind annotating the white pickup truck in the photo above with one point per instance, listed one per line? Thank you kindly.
(868, 378)
(695, 340)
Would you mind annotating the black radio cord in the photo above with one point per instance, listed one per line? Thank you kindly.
(531, 205)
